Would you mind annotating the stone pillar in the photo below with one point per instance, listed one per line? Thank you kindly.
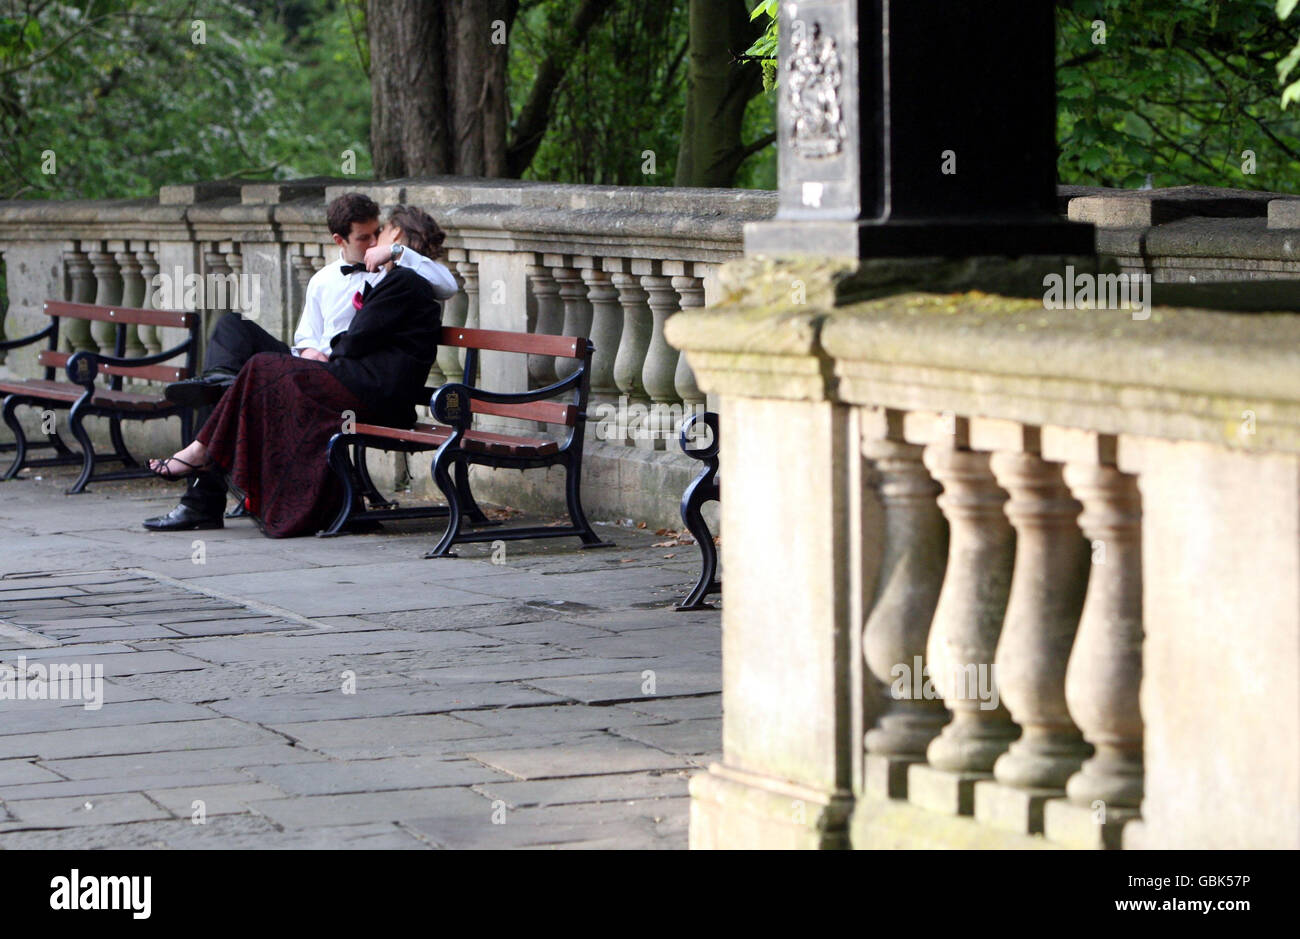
(1047, 589)
(468, 272)
(577, 308)
(965, 630)
(606, 333)
(108, 291)
(1105, 670)
(895, 633)
(545, 294)
(785, 778)
(691, 290)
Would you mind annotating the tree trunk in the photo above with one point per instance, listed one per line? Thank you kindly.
(718, 90)
(438, 86)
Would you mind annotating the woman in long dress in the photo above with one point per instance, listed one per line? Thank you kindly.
(269, 431)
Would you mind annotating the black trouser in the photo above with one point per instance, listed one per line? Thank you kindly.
(234, 341)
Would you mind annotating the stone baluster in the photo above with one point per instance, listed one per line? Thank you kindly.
(691, 290)
(148, 266)
(964, 633)
(660, 370)
(239, 298)
(302, 271)
(1105, 670)
(133, 295)
(108, 292)
(606, 331)
(74, 335)
(629, 363)
(453, 315)
(577, 312)
(545, 294)
(216, 299)
(469, 274)
(915, 554)
(1047, 589)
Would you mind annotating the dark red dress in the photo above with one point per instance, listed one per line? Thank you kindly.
(269, 432)
(270, 429)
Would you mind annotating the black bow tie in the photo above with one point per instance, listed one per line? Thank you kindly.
(352, 268)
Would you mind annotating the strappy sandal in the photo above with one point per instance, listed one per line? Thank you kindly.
(158, 468)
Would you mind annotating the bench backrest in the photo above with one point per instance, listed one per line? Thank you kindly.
(494, 340)
(122, 317)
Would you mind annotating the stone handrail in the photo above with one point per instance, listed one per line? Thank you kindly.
(1092, 515)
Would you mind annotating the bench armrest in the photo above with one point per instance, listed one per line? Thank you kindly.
(451, 405)
(28, 340)
(83, 368)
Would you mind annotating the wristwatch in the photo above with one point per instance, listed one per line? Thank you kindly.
(397, 252)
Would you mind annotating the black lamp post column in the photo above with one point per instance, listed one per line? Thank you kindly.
(917, 128)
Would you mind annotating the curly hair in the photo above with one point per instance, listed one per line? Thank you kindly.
(421, 231)
(348, 208)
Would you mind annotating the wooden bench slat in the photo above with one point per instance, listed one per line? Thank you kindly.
(165, 373)
(433, 436)
(120, 314)
(550, 412)
(493, 340)
(66, 391)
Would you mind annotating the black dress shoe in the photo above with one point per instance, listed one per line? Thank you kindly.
(184, 518)
(197, 392)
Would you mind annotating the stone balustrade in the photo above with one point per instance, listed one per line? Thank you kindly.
(1034, 576)
(610, 263)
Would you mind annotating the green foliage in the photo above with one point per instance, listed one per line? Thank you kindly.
(622, 96)
(1177, 92)
(122, 96)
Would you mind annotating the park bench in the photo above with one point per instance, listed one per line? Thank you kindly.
(703, 488)
(83, 397)
(457, 445)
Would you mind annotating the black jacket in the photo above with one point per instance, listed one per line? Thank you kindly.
(385, 356)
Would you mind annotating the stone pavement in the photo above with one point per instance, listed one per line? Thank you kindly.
(338, 693)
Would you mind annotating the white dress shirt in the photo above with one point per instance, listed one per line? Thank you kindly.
(328, 309)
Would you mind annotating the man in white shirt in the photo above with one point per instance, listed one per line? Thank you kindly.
(333, 295)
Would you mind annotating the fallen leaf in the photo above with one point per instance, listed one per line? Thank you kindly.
(670, 555)
(640, 524)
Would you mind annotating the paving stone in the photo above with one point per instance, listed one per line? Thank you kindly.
(108, 741)
(94, 787)
(414, 772)
(21, 721)
(619, 822)
(334, 705)
(547, 632)
(469, 617)
(398, 805)
(677, 709)
(627, 685)
(138, 765)
(15, 773)
(614, 787)
(232, 627)
(552, 719)
(703, 735)
(76, 811)
(321, 644)
(217, 799)
(374, 737)
(598, 757)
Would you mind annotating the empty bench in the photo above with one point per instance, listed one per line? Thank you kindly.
(82, 392)
(457, 445)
